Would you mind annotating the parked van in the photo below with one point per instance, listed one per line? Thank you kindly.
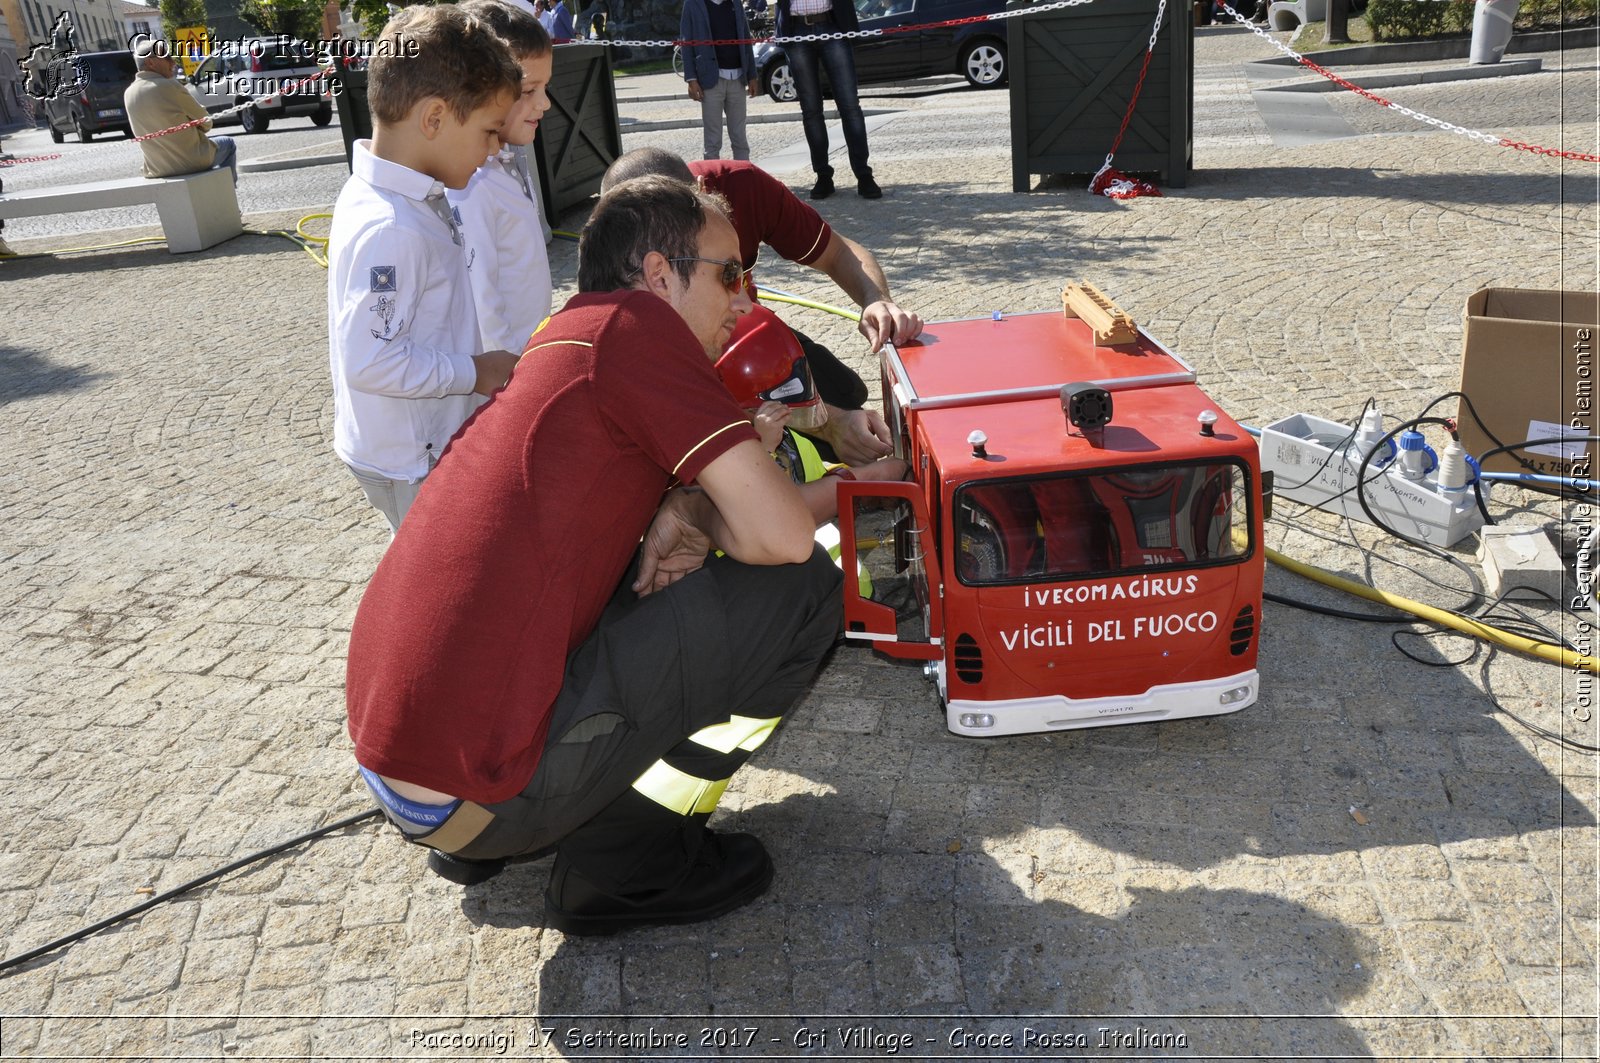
(96, 104)
(278, 74)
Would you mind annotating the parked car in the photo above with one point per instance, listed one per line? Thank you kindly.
(977, 51)
(269, 71)
(96, 105)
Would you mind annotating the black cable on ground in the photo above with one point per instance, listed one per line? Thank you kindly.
(1395, 636)
(162, 898)
(1328, 610)
(1511, 448)
(1544, 732)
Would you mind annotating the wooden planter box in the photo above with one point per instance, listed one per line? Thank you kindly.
(1072, 74)
(580, 135)
(355, 116)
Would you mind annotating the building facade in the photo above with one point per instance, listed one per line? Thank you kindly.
(98, 23)
(12, 109)
(139, 18)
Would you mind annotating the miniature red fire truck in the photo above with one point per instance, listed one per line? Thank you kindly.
(1080, 542)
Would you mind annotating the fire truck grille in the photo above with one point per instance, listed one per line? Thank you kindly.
(969, 660)
(1244, 629)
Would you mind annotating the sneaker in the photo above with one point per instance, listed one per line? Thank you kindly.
(731, 871)
(867, 188)
(460, 870)
(823, 188)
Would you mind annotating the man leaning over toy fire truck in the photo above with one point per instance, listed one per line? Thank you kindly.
(524, 675)
(765, 211)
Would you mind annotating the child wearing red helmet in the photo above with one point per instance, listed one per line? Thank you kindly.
(765, 369)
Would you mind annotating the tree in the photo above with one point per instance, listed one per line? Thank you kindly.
(181, 14)
(294, 18)
(372, 14)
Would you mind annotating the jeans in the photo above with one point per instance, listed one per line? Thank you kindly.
(728, 96)
(227, 155)
(838, 58)
(392, 498)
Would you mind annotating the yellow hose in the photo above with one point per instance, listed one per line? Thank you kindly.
(774, 297)
(1543, 650)
(77, 250)
(300, 227)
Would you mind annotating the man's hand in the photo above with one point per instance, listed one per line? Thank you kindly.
(883, 320)
(755, 87)
(696, 93)
(494, 369)
(675, 545)
(857, 436)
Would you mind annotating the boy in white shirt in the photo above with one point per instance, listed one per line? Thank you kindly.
(499, 208)
(408, 365)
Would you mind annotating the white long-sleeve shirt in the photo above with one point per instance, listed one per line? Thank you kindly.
(510, 266)
(402, 331)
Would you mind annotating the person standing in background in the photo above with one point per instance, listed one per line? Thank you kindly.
(721, 76)
(804, 18)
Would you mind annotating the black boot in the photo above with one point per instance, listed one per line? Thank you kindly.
(460, 870)
(730, 871)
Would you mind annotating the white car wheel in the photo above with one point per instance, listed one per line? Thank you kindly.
(984, 64)
(780, 82)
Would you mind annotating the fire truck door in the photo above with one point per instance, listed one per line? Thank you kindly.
(885, 533)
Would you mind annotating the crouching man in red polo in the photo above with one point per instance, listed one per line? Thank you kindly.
(547, 657)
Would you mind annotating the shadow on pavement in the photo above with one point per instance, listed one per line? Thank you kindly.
(1157, 872)
(53, 263)
(26, 373)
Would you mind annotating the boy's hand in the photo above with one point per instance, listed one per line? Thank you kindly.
(769, 420)
(494, 369)
(885, 469)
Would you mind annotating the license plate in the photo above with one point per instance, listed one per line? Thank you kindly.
(115, 112)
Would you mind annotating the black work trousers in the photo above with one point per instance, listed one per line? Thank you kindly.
(731, 640)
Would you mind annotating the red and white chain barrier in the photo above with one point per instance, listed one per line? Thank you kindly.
(853, 35)
(1437, 123)
(1114, 184)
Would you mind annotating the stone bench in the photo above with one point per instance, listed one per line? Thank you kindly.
(197, 210)
(1285, 15)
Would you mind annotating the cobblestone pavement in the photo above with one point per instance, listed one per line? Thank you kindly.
(1371, 862)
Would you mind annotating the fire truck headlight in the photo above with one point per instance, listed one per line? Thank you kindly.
(1234, 696)
(977, 719)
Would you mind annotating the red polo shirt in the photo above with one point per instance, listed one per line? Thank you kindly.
(765, 211)
(519, 538)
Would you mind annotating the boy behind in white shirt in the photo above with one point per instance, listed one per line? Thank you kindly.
(499, 207)
(408, 365)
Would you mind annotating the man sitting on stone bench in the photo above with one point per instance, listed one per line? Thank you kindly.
(155, 102)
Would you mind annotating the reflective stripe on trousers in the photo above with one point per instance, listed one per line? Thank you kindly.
(686, 794)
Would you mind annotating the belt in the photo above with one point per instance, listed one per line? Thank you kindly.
(812, 20)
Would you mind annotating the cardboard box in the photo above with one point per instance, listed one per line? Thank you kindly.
(1529, 364)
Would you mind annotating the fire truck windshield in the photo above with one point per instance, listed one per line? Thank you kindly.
(1175, 515)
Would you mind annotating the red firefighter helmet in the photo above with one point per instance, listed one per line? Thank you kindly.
(764, 362)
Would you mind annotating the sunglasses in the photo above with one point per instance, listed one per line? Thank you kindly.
(734, 275)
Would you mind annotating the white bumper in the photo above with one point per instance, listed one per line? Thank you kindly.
(1175, 701)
